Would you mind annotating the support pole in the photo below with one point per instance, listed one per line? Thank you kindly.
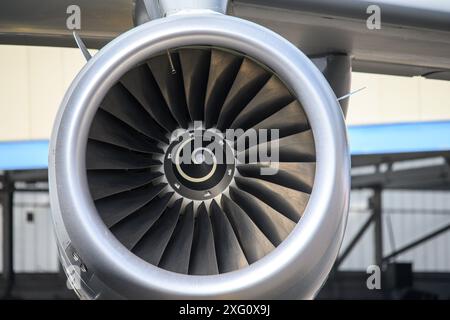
(7, 204)
(146, 10)
(337, 69)
(376, 203)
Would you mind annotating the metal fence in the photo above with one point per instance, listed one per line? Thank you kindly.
(407, 216)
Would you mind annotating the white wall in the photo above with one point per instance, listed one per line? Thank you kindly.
(398, 99)
(34, 241)
(33, 81)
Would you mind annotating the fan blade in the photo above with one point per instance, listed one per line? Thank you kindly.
(178, 251)
(252, 240)
(142, 85)
(249, 81)
(229, 252)
(295, 175)
(273, 224)
(289, 120)
(104, 183)
(223, 69)
(122, 104)
(203, 254)
(295, 148)
(151, 247)
(170, 82)
(195, 65)
(109, 129)
(131, 229)
(288, 202)
(270, 99)
(116, 207)
(101, 155)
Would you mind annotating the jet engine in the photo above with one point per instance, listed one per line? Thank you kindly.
(136, 220)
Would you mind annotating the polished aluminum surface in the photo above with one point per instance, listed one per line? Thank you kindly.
(169, 7)
(300, 265)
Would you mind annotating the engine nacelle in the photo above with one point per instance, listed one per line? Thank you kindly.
(134, 223)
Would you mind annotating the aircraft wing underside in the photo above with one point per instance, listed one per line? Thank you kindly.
(414, 39)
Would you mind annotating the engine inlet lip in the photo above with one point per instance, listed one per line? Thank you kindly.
(306, 255)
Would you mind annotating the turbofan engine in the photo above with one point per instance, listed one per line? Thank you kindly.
(153, 199)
